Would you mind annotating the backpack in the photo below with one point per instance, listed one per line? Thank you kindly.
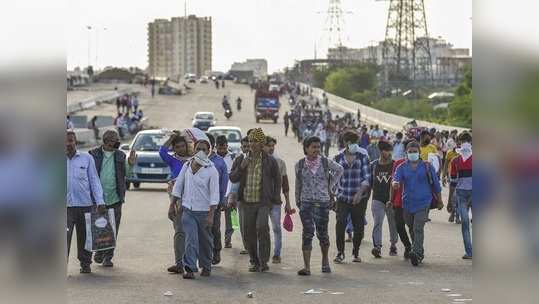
(325, 165)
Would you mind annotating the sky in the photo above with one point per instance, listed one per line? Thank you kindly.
(280, 31)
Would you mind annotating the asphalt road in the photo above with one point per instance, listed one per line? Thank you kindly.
(145, 242)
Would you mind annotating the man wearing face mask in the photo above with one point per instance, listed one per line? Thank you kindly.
(111, 168)
(352, 194)
(418, 186)
(461, 180)
(195, 198)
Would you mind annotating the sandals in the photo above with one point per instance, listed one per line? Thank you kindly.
(304, 272)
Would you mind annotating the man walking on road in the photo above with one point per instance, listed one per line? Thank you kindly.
(83, 190)
(418, 180)
(275, 212)
(175, 162)
(112, 170)
(197, 192)
(260, 187)
(316, 176)
(233, 201)
(221, 167)
(221, 143)
(381, 170)
(352, 194)
(461, 179)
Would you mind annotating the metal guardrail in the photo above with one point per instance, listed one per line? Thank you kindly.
(91, 102)
(383, 119)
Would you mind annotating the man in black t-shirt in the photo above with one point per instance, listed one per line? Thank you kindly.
(381, 183)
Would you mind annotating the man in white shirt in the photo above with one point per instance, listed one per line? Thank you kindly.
(197, 192)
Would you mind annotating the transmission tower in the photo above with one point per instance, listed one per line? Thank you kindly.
(335, 25)
(406, 52)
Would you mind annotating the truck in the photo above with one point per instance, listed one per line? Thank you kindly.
(267, 105)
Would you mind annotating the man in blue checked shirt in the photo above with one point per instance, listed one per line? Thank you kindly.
(352, 194)
(83, 190)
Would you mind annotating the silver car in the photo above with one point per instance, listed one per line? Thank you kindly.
(149, 168)
(233, 135)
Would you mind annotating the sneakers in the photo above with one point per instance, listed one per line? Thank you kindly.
(276, 259)
(108, 263)
(228, 245)
(264, 268)
(85, 269)
(393, 251)
(243, 251)
(205, 273)
(304, 272)
(189, 275)
(356, 258)
(326, 269)
(407, 253)
(175, 269)
(377, 253)
(216, 258)
(98, 258)
(349, 239)
(466, 257)
(253, 268)
(415, 259)
(339, 259)
(452, 218)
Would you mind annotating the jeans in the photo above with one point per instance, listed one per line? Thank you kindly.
(216, 230)
(109, 254)
(401, 228)
(357, 213)
(379, 211)
(314, 216)
(275, 217)
(242, 229)
(179, 240)
(416, 221)
(256, 232)
(228, 225)
(464, 199)
(198, 240)
(76, 220)
(326, 146)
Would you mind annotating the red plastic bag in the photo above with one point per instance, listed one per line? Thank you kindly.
(288, 225)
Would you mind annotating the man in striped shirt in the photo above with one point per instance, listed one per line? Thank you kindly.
(352, 194)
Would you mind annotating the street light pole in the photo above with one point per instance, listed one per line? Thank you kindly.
(89, 28)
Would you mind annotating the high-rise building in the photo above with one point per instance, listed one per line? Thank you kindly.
(180, 46)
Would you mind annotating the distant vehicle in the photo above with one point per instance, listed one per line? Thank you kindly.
(204, 120)
(203, 79)
(228, 113)
(192, 79)
(168, 90)
(266, 105)
(233, 134)
(229, 77)
(274, 88)
(149, 167)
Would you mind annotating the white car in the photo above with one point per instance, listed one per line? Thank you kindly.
(203, 79)
(233, 135)
(204, 120)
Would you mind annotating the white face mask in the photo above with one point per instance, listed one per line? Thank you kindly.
(465, 151)
(353, 148)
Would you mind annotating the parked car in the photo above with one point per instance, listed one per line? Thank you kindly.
(204, 120)
(149, 167)
(203, 79)
(233, 135)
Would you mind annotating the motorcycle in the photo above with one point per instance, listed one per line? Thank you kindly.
(228, 113)
(238, 104)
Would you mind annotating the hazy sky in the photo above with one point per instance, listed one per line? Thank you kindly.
(279, 30)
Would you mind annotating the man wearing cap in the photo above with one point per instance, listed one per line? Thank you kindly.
(260, 186)
(196, 193)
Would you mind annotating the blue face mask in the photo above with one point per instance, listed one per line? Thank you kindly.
(353, 148)
(413, 156)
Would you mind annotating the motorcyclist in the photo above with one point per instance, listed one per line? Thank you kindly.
(238, 103)
(226, 104)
